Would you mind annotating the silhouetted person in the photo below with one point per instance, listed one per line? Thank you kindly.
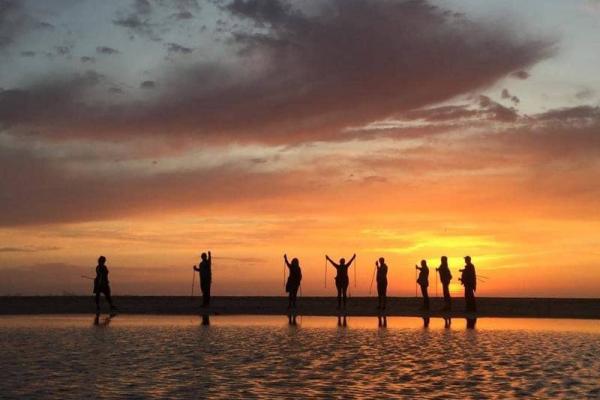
(293, 281)
(423, 282)
(445, 278)
(469, 281)
(205, 277)
(382, 283)
(101, 285)
(341, 279)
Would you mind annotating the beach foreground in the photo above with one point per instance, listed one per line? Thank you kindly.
(323, 306)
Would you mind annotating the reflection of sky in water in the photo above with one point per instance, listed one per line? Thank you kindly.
(260, 356)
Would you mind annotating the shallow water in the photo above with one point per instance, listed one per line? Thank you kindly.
(258, 356)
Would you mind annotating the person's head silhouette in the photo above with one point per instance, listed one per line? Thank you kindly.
(101, 260)
(444, 260)
(468, 259)
(342, 261)
(295, 262)
(423, 263)
(203, 256)
(381, 260)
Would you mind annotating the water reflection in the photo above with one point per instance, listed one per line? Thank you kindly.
(205, 320)
(102, 323)
(471, 322)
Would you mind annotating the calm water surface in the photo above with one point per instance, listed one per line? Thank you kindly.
(262, 357)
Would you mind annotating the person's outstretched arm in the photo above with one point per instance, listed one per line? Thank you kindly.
(286, 261)
(417, 267)
(331, 261)
(195, 268)
(351, 260)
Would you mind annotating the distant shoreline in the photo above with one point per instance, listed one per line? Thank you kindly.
(319, 306)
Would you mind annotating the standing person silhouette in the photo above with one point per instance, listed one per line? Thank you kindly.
(293, 281)
(101, 285)
(382, 270)
(445, 278)
(341, 279)
(204, 268)
(423, 282)
(469, 281)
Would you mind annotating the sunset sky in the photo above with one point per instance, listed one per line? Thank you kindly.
(149, 131)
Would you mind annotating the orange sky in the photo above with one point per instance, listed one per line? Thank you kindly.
(391, 129)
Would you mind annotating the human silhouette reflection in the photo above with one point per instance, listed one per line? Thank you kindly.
(382, 321)
(341, 279)
(102, 323)
(447, 322)
(423, 282)
(426, 322)
(342, 321)
(205, 319)
(292, 319)
(471, 322)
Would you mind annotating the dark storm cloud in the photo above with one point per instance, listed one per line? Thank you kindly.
(177, 48)
(306, 77)
(106, 50)
(36, 189)
(148, 85)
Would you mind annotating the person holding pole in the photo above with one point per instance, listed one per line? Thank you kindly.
(204, 268)
(423, 282)
(341, 279)
(101, 285)
(293, 281)
(382, 283)
(469, 281)
(445, 278)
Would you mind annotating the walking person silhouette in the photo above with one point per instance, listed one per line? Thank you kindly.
(341, 279)
(445, 278)
(293, 281)
(469, 281)
(382, 270)
(423, 282)
(101, 285)
(204, 268)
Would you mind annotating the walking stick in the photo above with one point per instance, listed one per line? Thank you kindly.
(284, 274)
(325, 272)
(372, 279)
(415, 282)
(193, 282)
(355, 268)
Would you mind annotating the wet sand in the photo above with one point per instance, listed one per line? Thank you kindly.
(322, 306)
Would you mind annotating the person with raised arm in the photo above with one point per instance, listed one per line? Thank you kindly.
(423, 282)
(382, 270)
(445, 278)
(469, 281)
(341, 279)
(101, 285)
(293, 281)
(204, 268)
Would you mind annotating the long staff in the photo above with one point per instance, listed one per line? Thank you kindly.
(415, 282)
(372, 279)
(193, 281)
(284, 273)
(355, 268)
(436, 292)
(325, 272)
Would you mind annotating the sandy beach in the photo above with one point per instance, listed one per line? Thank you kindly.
(323, 306)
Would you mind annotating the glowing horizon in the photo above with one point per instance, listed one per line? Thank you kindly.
(151, 131)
